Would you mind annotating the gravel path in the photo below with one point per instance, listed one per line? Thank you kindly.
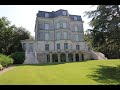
(7, 69)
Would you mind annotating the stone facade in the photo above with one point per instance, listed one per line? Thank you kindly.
(59, 37)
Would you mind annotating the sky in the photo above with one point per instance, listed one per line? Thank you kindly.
(25, 15)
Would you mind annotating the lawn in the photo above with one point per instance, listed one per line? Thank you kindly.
(94, 72)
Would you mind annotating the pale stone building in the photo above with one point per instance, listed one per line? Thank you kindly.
(59, 37)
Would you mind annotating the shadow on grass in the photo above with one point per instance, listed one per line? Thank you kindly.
(107, 75)
(43, 64)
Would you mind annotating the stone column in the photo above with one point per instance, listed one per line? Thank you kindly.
(74, 60)
(50, 57)
(58, 57)
(80, 59)
(66, 57)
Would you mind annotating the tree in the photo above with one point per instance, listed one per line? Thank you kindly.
(10, 37)
(105, 35)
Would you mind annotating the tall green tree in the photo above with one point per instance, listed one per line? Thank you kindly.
(10, 37)
(105, 35)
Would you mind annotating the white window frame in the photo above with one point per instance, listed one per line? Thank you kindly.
(46, 26)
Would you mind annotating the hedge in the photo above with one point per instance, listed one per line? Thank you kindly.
(18, 57)
(5, 60)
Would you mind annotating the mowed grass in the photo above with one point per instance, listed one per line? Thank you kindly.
(94, 72)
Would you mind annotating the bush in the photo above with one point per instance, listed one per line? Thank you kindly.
(18, 57)
(5, 60)
(1, 67)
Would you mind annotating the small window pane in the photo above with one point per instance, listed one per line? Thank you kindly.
(77, 37)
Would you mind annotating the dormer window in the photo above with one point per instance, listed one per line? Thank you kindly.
(75, 18)
(64, 13)
(46, 15)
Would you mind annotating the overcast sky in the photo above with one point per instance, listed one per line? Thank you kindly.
(25, 15)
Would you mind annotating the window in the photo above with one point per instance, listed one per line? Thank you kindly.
(47, 47)
(24, 46)
(30, 47)
(46, 36)
(58, 46)
(58, 35)
(77, 37)
(58, 25)
(64, 13)
(65, 35)
(65, 45)
(46, 15)
(46, 26)
(76, 28)
(75, 18)
(64, 25)
(77, 47)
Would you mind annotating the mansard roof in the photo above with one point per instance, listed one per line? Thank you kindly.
(54, 14)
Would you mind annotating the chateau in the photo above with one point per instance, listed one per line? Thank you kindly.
(59, 37)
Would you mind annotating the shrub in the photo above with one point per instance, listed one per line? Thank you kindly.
(18, 57)
(1, 67)
(5, 60)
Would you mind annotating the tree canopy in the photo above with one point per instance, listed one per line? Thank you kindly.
(10, 37)
(105, 35)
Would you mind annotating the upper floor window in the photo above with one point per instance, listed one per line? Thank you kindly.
(77, 37)
(65, 45)
(64, 25)
(76, 28)
(46, 26)
(58, 35)
(46, 47)
(30, 47)
(65, 35)
(47, 36)
(77, 47)
(75, 18)
(46, 15)
(64, 13)
(58, 46)
(58, 25)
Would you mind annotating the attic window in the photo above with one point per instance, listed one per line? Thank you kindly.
(64, 13)
(46, 15)
(75, 18)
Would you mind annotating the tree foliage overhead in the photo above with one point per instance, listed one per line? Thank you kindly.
(10, 37)
(105, 35)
